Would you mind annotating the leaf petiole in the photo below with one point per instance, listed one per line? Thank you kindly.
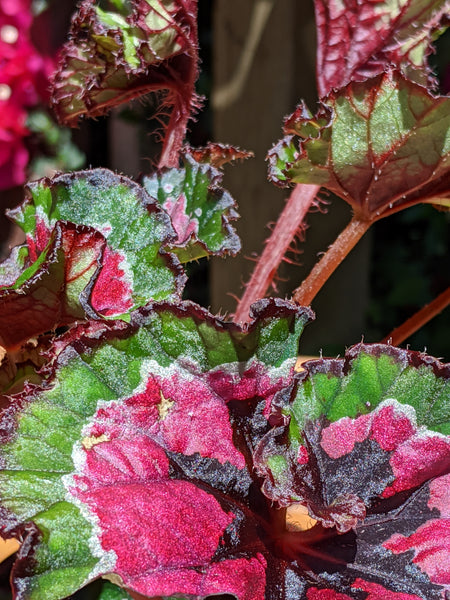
(414, 323)
(329, 262)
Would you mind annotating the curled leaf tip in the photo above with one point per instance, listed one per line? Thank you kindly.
(126, 50)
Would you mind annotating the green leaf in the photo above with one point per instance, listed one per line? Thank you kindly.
(61, 154)
(386, 146)
(13, 266)
(199, 208)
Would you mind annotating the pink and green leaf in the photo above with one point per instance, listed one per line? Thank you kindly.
(200, 209)
(360, 442)
(381, 145)
(134, 268)
(164, 433)
(358, 40)
(137, 422)
(369, 375)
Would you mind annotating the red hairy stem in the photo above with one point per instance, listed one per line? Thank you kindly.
(181, 91)
(413, 324)
(176, 128)
(329, 262)
(292, 216)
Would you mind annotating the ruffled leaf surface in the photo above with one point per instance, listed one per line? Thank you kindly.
(99, 244)
(122, 49)
(358, 40)
(108, 264)
(360, 442)
(380, 145)
(200, 209)
(54, 289)
(135, 458)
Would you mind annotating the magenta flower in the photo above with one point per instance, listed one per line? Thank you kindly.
(23, 85)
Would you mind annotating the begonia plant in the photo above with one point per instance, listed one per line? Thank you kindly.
(151, 449)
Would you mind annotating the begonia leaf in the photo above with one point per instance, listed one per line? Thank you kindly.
(54, 289)
(122, 49)
(199, 208)
(358, 40)
(361, 443)
(380, 145)
(134, 267)
(126, 457)
(134, 460)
